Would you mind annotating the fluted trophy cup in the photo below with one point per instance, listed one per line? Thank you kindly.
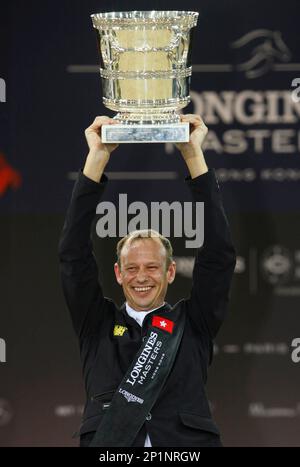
(145, 67)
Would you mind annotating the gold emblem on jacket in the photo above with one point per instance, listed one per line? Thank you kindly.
(119, 330)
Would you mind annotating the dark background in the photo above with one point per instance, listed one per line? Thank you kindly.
(253, 384)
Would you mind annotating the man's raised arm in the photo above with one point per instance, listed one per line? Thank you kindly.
(215, 260)
(79, 271)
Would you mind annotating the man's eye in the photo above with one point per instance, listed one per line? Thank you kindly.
(152, 267)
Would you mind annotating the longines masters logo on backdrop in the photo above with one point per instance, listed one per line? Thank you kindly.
(250, 120)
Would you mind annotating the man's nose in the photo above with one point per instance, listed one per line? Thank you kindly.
(141, 275)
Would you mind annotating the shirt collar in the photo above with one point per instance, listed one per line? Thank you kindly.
(139, 316)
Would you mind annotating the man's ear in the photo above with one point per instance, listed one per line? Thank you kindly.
(118, 273)
(171, 272)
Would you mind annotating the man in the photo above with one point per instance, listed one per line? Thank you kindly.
(145, 364)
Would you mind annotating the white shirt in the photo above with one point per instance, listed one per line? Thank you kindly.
(139, 318)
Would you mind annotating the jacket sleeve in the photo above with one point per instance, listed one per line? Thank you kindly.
(215, 259)
(78, 267)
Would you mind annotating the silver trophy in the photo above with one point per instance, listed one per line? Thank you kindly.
(145, 66)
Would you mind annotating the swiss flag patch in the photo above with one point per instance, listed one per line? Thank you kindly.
(163, 323)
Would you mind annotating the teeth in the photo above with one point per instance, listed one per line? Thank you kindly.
(141, 289)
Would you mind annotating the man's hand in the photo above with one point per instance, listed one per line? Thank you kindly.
(198, 131)
(100, 152)
(192, 151)
(93, 135)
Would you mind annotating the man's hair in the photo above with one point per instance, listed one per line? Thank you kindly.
(146, 233)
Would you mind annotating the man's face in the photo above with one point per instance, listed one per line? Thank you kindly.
(143, 274)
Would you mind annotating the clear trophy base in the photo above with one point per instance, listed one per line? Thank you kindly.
(142, 133)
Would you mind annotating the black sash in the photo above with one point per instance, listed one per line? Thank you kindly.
(143, 381)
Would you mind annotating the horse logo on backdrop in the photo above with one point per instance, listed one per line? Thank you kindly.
(9, 177)
(264, 48)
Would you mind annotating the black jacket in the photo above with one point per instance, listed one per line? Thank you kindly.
(181, 415)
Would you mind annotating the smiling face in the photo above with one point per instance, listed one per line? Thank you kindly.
(143, 274)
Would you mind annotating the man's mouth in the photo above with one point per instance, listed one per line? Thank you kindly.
(142, 289)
